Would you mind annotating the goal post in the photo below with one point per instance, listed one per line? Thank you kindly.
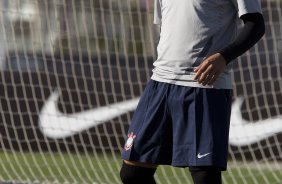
(71, 74)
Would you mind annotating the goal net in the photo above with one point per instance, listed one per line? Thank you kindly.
(72, 71)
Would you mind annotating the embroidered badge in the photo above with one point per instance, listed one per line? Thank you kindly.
(129, 141)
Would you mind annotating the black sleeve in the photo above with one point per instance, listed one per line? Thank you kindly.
(250, 34)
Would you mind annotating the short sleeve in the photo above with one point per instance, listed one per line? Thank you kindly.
(248, 6)
(157, 12)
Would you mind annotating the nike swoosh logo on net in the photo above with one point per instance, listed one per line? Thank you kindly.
(204, 155)
(55, 124)
(244, 132)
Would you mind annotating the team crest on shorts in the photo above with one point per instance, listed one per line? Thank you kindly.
(129, 141)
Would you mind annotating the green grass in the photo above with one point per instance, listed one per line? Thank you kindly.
(73, 168)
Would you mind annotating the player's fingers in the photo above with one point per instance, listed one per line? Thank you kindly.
(201, 69)
(198, 73)
(210, 76)
(212, 80)
(206, 74)
(196, 69)
(207, 80)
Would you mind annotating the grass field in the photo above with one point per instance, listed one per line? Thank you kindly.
(99, 169)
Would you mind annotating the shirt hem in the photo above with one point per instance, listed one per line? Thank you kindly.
(189, 83)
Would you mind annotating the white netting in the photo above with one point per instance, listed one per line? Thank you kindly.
(71, 72)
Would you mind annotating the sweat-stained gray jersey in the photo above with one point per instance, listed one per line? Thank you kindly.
(192, 30)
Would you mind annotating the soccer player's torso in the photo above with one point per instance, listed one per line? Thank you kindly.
(191, 30)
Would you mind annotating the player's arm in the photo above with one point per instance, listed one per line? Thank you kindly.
(251, 33)
(254, 28)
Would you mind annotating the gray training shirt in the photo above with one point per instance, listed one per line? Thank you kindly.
(192, 30)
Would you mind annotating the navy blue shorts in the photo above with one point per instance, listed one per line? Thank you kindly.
(180, 126)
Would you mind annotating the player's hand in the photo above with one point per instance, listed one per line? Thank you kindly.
(209, 70)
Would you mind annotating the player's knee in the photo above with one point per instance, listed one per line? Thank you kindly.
(206, 175)
(132, 174)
